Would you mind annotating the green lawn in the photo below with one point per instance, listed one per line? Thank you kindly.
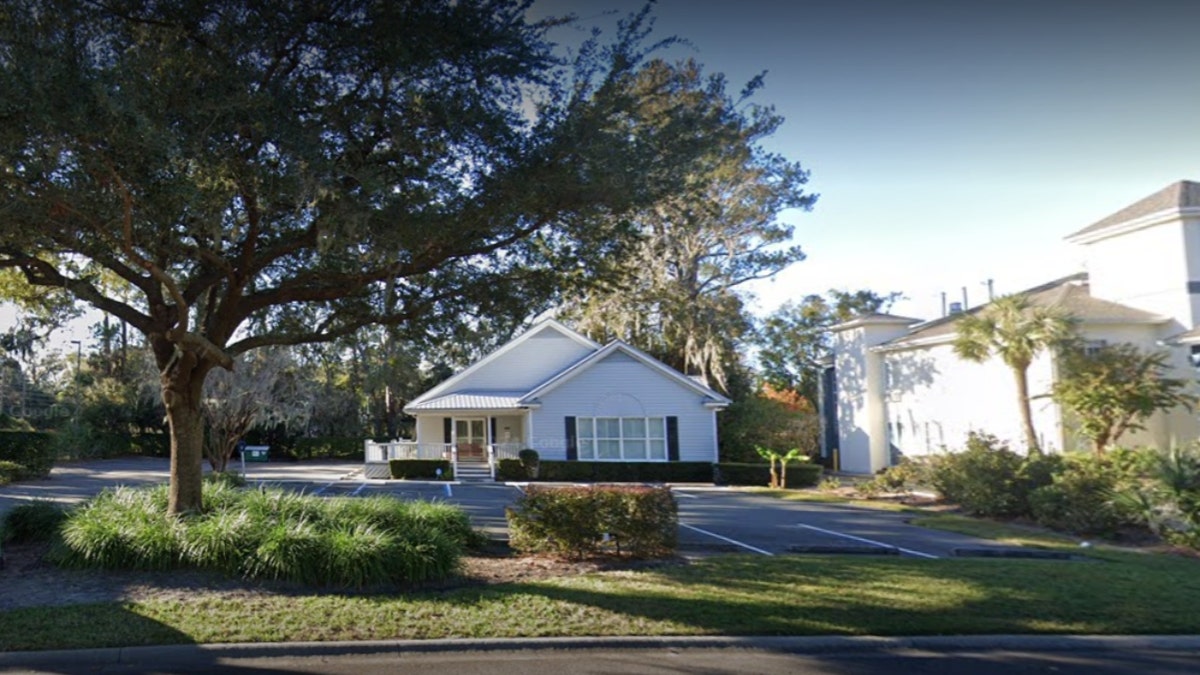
(787, 595)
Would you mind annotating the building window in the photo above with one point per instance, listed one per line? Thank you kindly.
(1093, 347)
(1195, 356)
(622, 438)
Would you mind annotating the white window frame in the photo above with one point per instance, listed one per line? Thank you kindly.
(589, 423)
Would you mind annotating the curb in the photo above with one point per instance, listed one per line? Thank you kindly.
(178, 655)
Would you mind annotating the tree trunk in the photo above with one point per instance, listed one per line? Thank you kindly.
(1031, 441)
(182, 382)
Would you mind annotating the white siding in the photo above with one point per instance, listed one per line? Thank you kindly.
(527, 365)
(861, 413)
(621, 386)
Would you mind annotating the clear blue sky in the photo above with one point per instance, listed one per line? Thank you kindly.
(953, 141)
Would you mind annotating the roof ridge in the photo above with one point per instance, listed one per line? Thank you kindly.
(1178, 195)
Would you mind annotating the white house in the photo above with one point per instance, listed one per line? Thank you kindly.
(895, 388)
(557, 392)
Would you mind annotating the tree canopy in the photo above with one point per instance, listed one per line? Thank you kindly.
(679, 294)
(794, 339)
(1115, 389)
(276, 173)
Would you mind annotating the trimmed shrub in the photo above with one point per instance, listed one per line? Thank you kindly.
(626, 472)
(799, 475)
(1081, 498)
(34, 450)
(902, 477)
(270, 534)
(530, 461)
(38, 520)
(328, 448)
(578, 521)
(510, 470)
(421, 469)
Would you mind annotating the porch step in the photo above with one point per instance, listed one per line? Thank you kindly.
(473, 472)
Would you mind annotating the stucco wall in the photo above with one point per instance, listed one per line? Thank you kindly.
(1146, 269)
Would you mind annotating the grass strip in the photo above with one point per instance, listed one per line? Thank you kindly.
(732, 595)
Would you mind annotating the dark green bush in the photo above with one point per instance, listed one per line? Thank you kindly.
(579, 521)
(510, 470)
(1081, 498)
(270, 534)
(988, 479)
(799, 475)
(905, 476)
(328, 448)
(421, 469)
(38, 520)
(530, 461)
(626, 472)
(33, 450)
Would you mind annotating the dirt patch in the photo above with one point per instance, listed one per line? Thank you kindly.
(28, 580)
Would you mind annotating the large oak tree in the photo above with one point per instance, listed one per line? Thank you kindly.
(276, 172)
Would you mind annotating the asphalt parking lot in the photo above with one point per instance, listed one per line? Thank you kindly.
(712, 520)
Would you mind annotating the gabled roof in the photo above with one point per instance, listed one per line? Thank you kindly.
(1188, 337)
(1174, 198)
(1070, 293)
(715, 399)
(460, 377)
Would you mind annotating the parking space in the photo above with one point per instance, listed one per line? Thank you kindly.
(712, 520)
(732, 520)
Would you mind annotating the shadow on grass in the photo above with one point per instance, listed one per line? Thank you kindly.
(792, 595)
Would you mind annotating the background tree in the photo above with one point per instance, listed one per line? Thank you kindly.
(264, 389)
(275, 173)
(794, 339)
(678, 294)
(1115, 389)
(1016, 331)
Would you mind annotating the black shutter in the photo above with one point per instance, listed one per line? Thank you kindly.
(448, 430)
(572, 445)
(673, 438)
(492, 421)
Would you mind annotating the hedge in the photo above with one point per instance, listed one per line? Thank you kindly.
(421, 469)
(33, 450)
(328, 447)
(798, 475)
(511, 470)
(578, 521)
(626, 472)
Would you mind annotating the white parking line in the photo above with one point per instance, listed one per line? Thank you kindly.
(677, 493)
(731, 541)
(323, 488)
(360, 489)
(868, 541)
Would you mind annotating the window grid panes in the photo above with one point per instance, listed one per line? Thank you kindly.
(621, 438)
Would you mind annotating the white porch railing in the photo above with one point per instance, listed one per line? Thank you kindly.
(499, 451)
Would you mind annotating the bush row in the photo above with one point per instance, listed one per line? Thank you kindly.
(328, 448)
(633, 521)
(269, 534)
(421, 469)
(31, 451)
(798, 475)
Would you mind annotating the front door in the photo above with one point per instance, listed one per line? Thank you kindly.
(470, 436)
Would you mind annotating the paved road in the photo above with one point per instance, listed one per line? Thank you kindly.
(766, 656)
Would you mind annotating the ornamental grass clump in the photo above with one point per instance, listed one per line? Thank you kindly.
(269, 534)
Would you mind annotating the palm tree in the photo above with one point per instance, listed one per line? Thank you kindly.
(1016, 331)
